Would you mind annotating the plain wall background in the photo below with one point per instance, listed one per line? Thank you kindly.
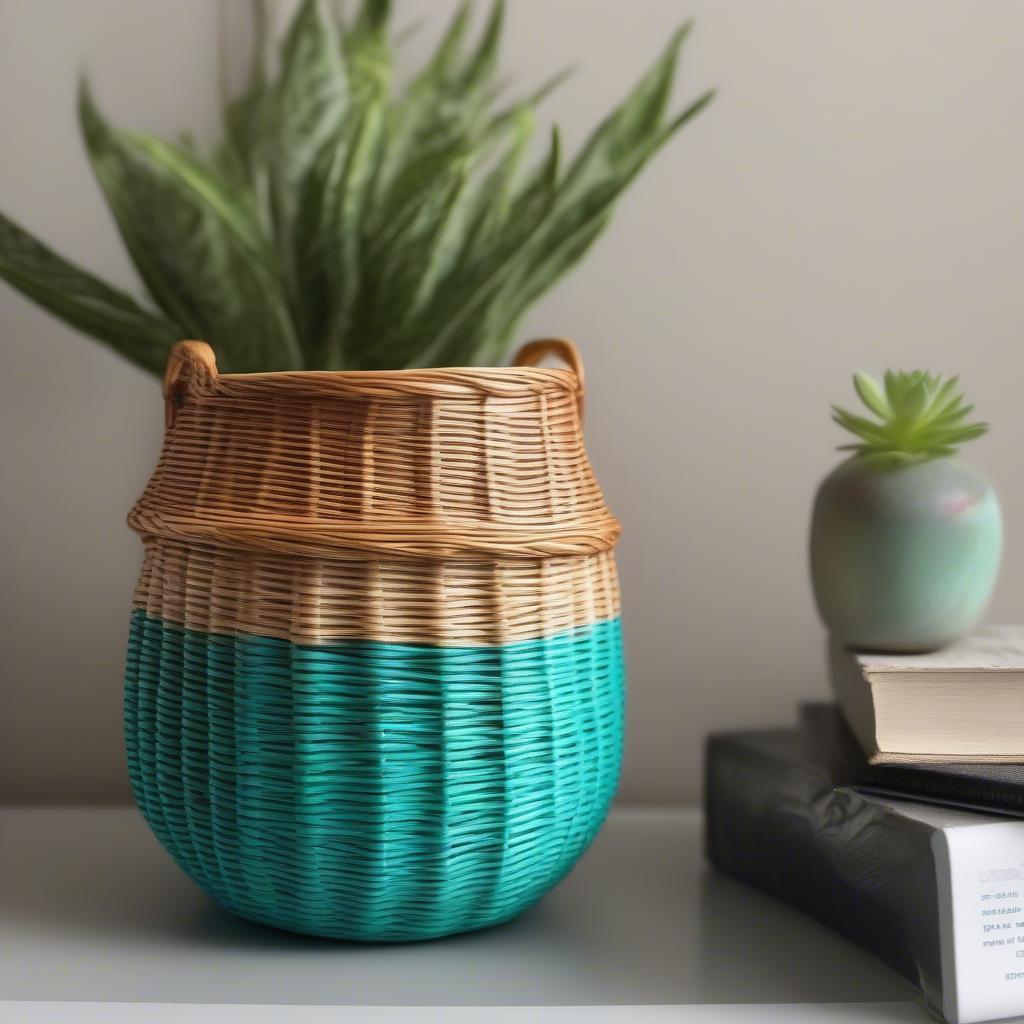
(851, 199)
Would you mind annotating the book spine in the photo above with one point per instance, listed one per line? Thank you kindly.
(776, 822)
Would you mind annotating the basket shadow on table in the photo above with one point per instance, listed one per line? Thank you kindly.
(112, 886)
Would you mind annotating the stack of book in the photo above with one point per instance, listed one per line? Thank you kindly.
(895, 816)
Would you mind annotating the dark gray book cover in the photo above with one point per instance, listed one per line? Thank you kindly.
(935, 892)
(775, 820)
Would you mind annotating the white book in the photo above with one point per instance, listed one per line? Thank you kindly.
(964, 703)
(980, 878)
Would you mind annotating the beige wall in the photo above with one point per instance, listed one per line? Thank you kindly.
(852, 199)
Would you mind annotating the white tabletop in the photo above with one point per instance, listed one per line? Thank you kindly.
(93, 911)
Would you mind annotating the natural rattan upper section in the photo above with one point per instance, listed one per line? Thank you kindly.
(422, 463)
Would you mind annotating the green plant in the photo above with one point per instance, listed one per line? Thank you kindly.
(920, 416)
(343, 221)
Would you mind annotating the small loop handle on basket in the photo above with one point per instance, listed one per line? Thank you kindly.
(561, 348)
(189, 361)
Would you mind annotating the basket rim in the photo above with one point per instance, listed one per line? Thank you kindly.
(470, 382)
(192, 371)
(408, 371)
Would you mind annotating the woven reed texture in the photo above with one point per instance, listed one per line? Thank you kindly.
(373, 791)
(318, 600)
(374, 686)
(431, 463)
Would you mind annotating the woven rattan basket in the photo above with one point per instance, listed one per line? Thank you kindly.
(375, 680)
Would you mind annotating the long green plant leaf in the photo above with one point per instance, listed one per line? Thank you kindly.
(83, 301)
(241, 153)
(200, 253)
(309, 99)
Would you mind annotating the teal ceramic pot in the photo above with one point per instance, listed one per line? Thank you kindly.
(904, 558)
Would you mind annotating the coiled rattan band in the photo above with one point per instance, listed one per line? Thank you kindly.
(412, 540)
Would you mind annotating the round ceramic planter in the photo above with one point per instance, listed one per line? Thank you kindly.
(904, 558)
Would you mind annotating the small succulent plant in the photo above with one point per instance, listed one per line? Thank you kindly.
(920, 416)
(905, 541)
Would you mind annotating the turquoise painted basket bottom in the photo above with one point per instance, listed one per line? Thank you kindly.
(373, 791)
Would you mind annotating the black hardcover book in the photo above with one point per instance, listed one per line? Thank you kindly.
(775, 820)
(936, 893)
(983, 787)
